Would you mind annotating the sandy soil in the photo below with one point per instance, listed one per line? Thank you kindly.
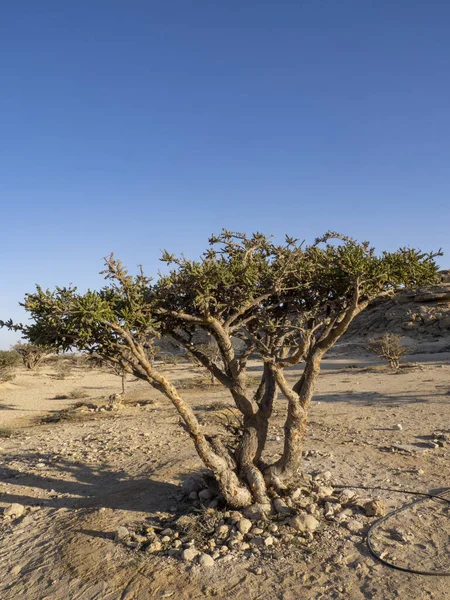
(80, 479)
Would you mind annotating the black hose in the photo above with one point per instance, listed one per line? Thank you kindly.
(377, 523)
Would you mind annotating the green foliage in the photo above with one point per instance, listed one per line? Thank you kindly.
(284, 298)
(8, 362)
(280, 299)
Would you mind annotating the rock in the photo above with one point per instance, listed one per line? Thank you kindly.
(192, 484)
(326, 475)
(205, 494)
(324, 491)
(189, 554)
(234, 516)
(330, 509)
(121, 534)
(257, 512)
(354, 526)
(312, 508)
(269, 541)
(167, 531)
(281, 507)
(193, 496)
(304, 523)
(296, 494)
(222, 531)
(344, 515)
(346, 496)
(14, 510)
(244, 526)
(258, 541)
(398, 427)
(206, 560)
(409, 448)
(375, 508)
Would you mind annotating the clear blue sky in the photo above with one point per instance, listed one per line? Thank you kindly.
(141, 125)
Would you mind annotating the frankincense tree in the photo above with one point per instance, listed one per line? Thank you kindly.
(286, 303)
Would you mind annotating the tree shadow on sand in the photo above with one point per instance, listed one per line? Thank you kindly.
(85, 486)
(374, 398)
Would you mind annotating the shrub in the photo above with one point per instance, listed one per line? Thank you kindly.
(63, 369)
(32, 354)
(8, 361)
(389, 346)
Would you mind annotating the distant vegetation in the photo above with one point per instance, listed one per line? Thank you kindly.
(9, 360)
(389, 346)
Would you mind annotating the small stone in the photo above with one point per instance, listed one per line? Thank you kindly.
(281, 507)
(222, 531)
(375, 508)
(121, 534)
(346, 496)
(258, 571)
(398, 427)
(304, 523)
(354, 526)
(206, 560)
(165, 539)
(167, 531)
(189, 554)
(244, 526)
(330, 509)
(258, 541)
(296, 494)
(14, 510)
(193, 496)
(257, 512)
(234, 516)
(205, 494)
(325, 492)
(192, 484)
(268, 541)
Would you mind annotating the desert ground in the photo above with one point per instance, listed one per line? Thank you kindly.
(80, 473)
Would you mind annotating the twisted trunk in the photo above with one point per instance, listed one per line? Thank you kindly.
(299, 399)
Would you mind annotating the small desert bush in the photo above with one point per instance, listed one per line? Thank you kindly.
(389, 346)
(32, 354)
(73, 395)
(6, 432)
(8, 362)
(63, 369)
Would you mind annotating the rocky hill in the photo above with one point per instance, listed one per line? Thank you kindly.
(421, 316)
